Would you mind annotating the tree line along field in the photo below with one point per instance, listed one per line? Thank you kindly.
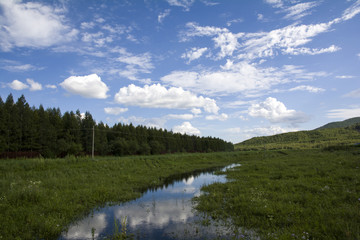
(29, 131)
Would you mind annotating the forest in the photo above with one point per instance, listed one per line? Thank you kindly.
(32, 132)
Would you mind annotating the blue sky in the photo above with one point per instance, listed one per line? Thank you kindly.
(229, 69)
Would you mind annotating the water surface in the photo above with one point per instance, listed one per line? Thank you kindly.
(163, 213)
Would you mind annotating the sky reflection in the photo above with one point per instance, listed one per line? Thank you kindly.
(164, 213)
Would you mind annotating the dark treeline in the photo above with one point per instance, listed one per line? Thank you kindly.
(29, 131)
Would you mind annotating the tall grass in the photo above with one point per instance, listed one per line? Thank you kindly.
(302, 194)
(39, 198)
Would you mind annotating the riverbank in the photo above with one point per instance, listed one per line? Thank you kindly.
(41, 197)
(291, 194)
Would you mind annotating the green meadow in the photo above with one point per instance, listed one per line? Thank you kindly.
(289, 194)
(39, 198)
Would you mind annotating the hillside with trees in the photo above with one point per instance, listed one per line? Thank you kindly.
(30, 132)
(341, 124)
(318, 138)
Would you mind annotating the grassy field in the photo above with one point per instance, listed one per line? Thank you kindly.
(290, 194)
(39, 198)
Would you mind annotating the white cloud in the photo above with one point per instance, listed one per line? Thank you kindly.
(115, 110)
(286, 40)
(50, 86)
(186, 128)
(19, 67)
(186, 4)
(267, 44)
(352, 11)
(241, 77)
(17, 85)
(354, 94)
(157, 96)
(299, 10)
(221, 117)
(260, 17)
(344, 113)
(32, 24)
(268, 131)
(238, 20)
(96, 39)
(152, 122)
(245, 133)
(309, 51)
(34, 86)
(345, 77)
(89, 86)
(307, 88)
(222, 37)
(196, 111)
(180, 116)
(275, 3)
(193, 54)
(134, 64)
(163, 15)
(276, 112)
(87, 25)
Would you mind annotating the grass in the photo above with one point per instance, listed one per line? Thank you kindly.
(39, 198)
(290, 194)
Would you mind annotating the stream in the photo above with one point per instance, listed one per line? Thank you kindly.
(163, 213)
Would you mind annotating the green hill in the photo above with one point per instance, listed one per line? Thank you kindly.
(318, 138)
(341, 124)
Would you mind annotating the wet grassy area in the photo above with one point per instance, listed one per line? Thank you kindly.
(39, 198)
(293, 194)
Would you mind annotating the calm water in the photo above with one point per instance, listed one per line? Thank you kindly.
(163, 213)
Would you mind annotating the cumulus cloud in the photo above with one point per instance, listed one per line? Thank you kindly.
(196, 111)
(115, 110)
(307, 88)
(238, 77)
(32, 24)
(276, 112)
(221, 117)
(157, 96)
(344, 113)
(186, 128)
(17, 85)
(34, 86)
(193, 54)
(89, 86)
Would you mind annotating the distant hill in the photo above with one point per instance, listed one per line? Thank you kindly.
(341, 124)
(318, 138)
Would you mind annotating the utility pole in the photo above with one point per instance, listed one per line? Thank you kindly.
(93, 142)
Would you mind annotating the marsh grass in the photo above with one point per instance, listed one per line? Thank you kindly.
(297, 194)
(39, 198)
